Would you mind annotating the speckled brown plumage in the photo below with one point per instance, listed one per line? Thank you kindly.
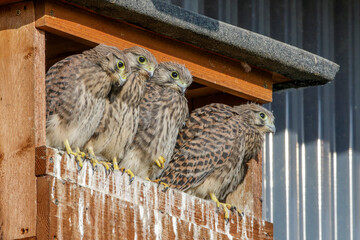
(76, 90)
(119, 124)
(213, 147)
(163, 111)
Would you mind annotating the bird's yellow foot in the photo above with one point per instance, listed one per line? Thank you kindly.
(160, 161)
(70, 152)
(155, 181)
(92, 158)
(82, 154)
(107, 166)
(225, 206)
(128, 172)
(166, 186)
(241, 213)
(94, 163)
(115, 165)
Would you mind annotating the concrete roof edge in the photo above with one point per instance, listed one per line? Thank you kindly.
(303, 67)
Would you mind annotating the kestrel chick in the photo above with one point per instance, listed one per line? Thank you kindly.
(139, 58)
(76, 91)
(119, 124)
(213, 147)
(163, 111)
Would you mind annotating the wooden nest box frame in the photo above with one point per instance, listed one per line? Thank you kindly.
(43, 197)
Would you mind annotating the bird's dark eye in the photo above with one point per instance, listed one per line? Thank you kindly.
(263, 115)
(175, 75)
(141, 59)
(120, 64)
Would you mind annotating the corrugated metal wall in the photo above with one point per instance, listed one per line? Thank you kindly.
(311, 186)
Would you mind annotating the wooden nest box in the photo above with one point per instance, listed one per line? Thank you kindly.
(43, 197)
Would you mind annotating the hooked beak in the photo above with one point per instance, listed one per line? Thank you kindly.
(182, 86)
(183, 89)
(271, 127)
(122, 80)
(150, 70)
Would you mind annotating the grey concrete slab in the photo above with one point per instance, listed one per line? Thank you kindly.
(304, 68)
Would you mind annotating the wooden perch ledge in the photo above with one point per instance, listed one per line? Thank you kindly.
(91, 204)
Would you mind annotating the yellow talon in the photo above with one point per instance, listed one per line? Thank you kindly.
(68, 148)
(233, 208)
(70, 151)
(225, 206)
(79, 161)
(82, 154)
(94, 162)
(91, 152)
(106, 165)
(128, 172)
(160, 162)
(240, 212)
(155, 181)
(115, 164)
(166, 186)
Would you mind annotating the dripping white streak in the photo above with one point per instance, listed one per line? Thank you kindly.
(81, 214)
(287, 183)
(319, 186)
(271, 177)
(351, 194)
(335, 196)
(303, 181)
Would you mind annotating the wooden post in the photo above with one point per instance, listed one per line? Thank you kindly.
(22, 118)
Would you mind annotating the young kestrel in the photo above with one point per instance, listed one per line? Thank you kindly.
(76, 91)
(120, 120)
(163, 111)
(213, 147)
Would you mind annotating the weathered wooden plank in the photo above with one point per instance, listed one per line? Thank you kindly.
(208, 69)
(21, 58)
(92, 203)
(247, 197)
(39, 89)
(43, 208)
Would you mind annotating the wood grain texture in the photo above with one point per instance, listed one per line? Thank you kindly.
(200, 92)
(43, 207)
(90, 204)
(21, 49)
(209, 69)
(247, 197)
(5, 2)
(27, 238)
(39, 89)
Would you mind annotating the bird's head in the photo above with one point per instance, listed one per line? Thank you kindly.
(256, 115)
(115, 63)
(172, 75)
(140, 58)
